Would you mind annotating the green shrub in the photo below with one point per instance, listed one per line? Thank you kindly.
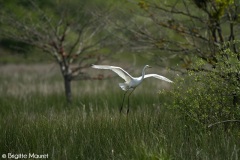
(209, 93)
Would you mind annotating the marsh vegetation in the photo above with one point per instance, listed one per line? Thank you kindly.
(53, 103)
(35, 118)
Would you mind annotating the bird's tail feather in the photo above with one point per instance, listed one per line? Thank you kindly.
(123, 86)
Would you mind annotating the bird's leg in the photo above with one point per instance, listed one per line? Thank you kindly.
(123, 101)
(128, 100)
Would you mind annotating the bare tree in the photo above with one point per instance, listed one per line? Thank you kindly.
(70, 33)
(185, 28)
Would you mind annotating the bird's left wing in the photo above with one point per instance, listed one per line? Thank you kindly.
(158, 77)
(122, 73)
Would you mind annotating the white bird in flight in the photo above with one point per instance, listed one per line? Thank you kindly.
(130, 82)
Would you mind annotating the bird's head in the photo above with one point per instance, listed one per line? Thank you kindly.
(147, 66)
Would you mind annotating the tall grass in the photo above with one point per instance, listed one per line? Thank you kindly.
(40, 122)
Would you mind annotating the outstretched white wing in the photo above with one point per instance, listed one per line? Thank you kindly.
(158, 77)
(122, 73)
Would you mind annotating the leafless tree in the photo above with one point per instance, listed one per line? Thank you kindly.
(72, 35)
(185, 28)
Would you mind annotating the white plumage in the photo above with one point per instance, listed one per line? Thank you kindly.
(130, 82)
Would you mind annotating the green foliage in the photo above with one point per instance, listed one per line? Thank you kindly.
(142, 4)
(207, 95)
(220, 6)
(34, 118)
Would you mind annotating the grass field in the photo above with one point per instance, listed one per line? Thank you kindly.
(34, 118)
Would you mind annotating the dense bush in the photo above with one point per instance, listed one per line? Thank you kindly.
(207, 94)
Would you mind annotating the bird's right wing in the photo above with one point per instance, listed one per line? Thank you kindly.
(158, 77)
(122, 73)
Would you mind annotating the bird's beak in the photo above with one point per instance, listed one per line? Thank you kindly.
(150, 67)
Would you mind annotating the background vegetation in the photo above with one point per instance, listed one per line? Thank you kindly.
(35, 118)
(193, 43)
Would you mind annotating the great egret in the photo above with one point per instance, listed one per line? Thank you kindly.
(130, 82)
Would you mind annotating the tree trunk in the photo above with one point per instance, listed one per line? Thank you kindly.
(67, 85)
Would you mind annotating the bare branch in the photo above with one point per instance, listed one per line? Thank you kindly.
(173, 10)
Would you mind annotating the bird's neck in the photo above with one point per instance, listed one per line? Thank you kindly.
(143, 73)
